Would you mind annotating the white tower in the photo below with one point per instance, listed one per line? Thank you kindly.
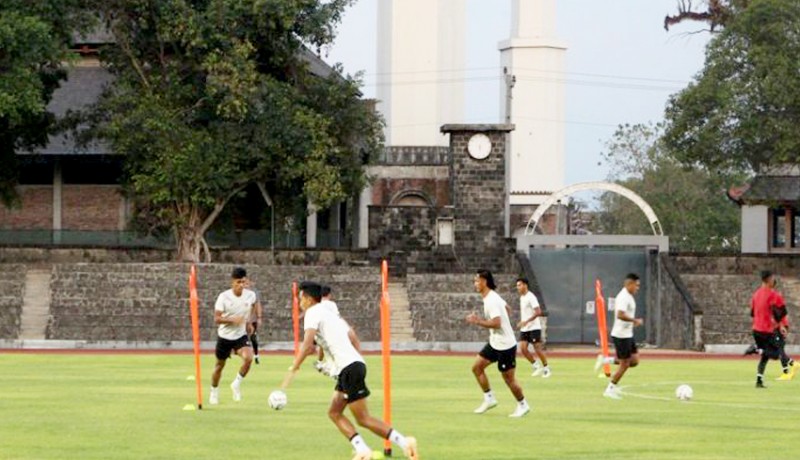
(533, 100)
(421, 60)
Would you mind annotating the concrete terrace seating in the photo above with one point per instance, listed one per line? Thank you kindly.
(141, 302)
(440, 302)
(12, 288)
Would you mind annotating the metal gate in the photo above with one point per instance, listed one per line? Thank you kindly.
(566, 278)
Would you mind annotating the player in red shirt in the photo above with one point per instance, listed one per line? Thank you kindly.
(768, 311)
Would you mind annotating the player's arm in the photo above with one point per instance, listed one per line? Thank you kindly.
(621, 315)
(234, 320)
(537, 312)
(493, 323)
(306, 349)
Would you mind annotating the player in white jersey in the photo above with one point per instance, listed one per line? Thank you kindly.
(530, 328)
(622, 333)
(502, 346)
(331, 333)
(231, 313)
(325, 365)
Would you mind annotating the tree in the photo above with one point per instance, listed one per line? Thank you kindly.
(213, 95)
(34, 43)
(690, 201)
(717, 13)
(742, 110)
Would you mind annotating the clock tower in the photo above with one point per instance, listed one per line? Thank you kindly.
(478, 166)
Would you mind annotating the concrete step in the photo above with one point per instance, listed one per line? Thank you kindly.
(35, 305)
(402, 326)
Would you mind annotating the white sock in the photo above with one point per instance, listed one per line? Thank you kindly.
(611, 386)
(238, 379)
(359, 444)
(536, 364)
(214, 389)
(397, 438)
(488, 396)
(522, 402)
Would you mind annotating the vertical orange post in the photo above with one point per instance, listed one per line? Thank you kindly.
(195, 315)
(602, 325)
(386, 352)
(296, 317)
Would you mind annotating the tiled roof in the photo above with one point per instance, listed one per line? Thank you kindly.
(765, 189)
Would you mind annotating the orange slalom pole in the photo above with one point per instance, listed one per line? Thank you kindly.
(296, 317)
(602, 325)
(386, 352)
(195, 315)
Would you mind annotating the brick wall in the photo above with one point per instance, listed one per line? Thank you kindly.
(12, 288)
(91, 207)
(35, 212)
(140, 302)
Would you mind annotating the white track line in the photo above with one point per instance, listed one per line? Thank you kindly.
(704, 403)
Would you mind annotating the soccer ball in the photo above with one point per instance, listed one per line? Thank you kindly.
(684, 392)
(277, 400)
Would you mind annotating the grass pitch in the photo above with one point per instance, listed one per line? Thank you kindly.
(129, 406)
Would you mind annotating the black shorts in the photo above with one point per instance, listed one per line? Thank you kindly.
(534, 336)
(769, 343)
(625, 347)
(506, 359)
(225, 346)
(352, 381)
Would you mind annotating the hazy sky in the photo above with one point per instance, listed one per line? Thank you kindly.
(621, 65)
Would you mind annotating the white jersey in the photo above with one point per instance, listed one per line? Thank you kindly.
(494, 306)
(527, 306)
(232, 306)
(625, 303)
(332, 335)
(331, 305)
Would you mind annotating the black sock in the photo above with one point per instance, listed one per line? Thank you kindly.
(762, 366)
(254, 340)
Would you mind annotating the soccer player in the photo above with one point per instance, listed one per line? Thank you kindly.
(255, 322)
(327, 366)
(502, 346)
(768, 311)
(331, 333)
(231, 312)
(530, 328)
(622, 333)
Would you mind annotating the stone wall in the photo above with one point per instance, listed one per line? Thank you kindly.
(92, 207)
(140, 302)
(35, 210)
(440, 302)
(385, 191)
(722, 287)
(674, 321)
(414, 155)
(12, 289)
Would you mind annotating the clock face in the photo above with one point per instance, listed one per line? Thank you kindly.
(479, 146)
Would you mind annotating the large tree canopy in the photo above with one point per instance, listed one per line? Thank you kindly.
(34, 42)
(213, 95)
(690, 202)
(743, 109)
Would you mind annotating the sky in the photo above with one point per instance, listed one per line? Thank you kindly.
(621, 65)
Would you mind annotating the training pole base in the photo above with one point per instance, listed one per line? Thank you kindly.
(387, 452)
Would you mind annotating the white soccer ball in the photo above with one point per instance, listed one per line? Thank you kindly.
(684, 392)
(277, 400)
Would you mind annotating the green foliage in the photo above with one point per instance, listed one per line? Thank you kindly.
(211, 96)
(690, 201)
(34, 41)
(742, 110)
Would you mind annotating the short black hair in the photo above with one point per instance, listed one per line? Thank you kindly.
(765, 275)
(312, 289)
(632, 277)
(326, 290)
(238, 273)
(487, 275)
(523, 280)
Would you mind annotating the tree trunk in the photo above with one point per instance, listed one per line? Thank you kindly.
(190, 242)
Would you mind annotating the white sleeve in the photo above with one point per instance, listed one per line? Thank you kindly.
(496, 306)
(534, 301)
(620, 304)
(220, 304)
(311, 320)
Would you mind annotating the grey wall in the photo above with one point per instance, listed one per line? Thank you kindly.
(755, 229)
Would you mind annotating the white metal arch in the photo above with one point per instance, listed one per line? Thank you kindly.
(655, 225)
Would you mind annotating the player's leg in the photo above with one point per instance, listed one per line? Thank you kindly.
(222, 352)
(254, 342)
(336, 414)
(361, 413)
(538, 347)
(507, 364)
(487, 356)
(526, 352)
(625, 350)
(246, 353)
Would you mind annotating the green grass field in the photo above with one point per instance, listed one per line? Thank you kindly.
(79, 406)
